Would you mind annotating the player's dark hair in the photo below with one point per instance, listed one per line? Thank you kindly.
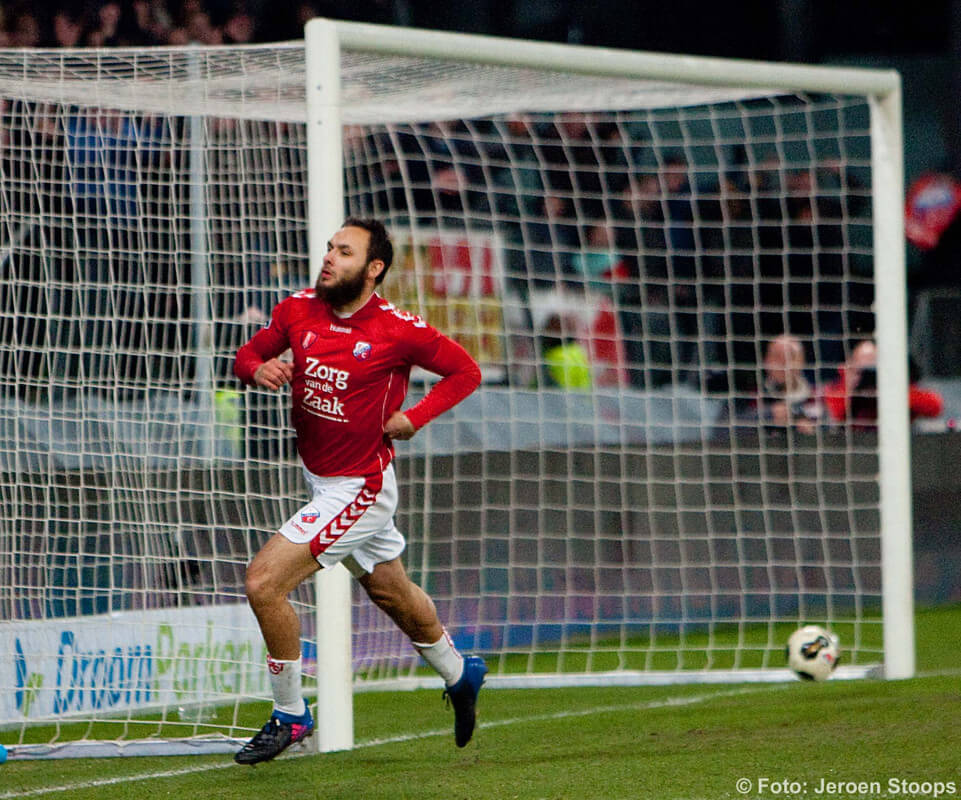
(379, 247)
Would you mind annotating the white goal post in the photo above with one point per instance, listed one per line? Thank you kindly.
(615, 236)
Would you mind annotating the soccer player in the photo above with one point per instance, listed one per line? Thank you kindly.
(352, 355)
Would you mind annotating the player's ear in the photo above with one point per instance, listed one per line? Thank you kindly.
(374, 268)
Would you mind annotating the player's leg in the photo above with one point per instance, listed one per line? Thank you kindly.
(279, 568)
(403, 601)
(319, 534)
(410, 607)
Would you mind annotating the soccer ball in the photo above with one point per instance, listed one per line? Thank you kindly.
(813, 652)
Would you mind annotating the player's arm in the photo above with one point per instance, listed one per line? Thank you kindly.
(258, 363)
(460, 376)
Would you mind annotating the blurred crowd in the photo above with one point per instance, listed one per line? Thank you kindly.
(139, 23)
(702, 263)
(749, 278)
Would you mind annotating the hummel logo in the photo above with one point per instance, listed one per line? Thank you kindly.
(342, 523)
(339, 328)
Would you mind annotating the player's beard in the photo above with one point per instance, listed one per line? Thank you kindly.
(344, 292)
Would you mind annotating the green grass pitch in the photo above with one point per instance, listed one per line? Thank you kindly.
(840, 739)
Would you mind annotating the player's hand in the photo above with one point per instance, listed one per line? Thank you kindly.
(399, 427)
(273, 374)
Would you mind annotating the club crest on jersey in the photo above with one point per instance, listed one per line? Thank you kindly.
(362, 351)
(309, 515)
(308, 339)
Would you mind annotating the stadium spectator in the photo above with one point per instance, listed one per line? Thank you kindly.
(438, 160)
(816, 291)
(656, 235)
(178, 37)
(68, 28)
(148, 24)
(240, 28)
(852, 397)
(201, 30)
(677, 202)
(33, 165)
(643, 296)
(787, 399)
(23, 29)
(765, 188)
(104, 151)
(564, 360)
(550, 240)
(517, 172)
(598, 263)
(518, 189)
(567, 149)
(105, 27)
(727, 235)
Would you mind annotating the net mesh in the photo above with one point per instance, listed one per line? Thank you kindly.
(617, 255)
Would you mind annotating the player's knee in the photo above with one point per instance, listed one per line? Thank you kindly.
(259, 586)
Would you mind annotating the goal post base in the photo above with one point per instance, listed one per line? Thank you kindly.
(202, 746)
(627, 678)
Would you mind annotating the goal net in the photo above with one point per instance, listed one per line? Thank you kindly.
(616, 238)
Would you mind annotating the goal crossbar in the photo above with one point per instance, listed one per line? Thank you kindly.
(613, 63)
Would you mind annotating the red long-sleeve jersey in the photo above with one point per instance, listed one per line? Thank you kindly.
(921, 402)
(350, 375)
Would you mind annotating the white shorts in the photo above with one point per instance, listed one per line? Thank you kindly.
(349, 520)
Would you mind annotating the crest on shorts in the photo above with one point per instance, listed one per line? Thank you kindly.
(362, 351)
(308, 339)
(309, 515)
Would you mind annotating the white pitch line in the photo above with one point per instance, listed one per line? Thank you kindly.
(939, 673)
(407, 737)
